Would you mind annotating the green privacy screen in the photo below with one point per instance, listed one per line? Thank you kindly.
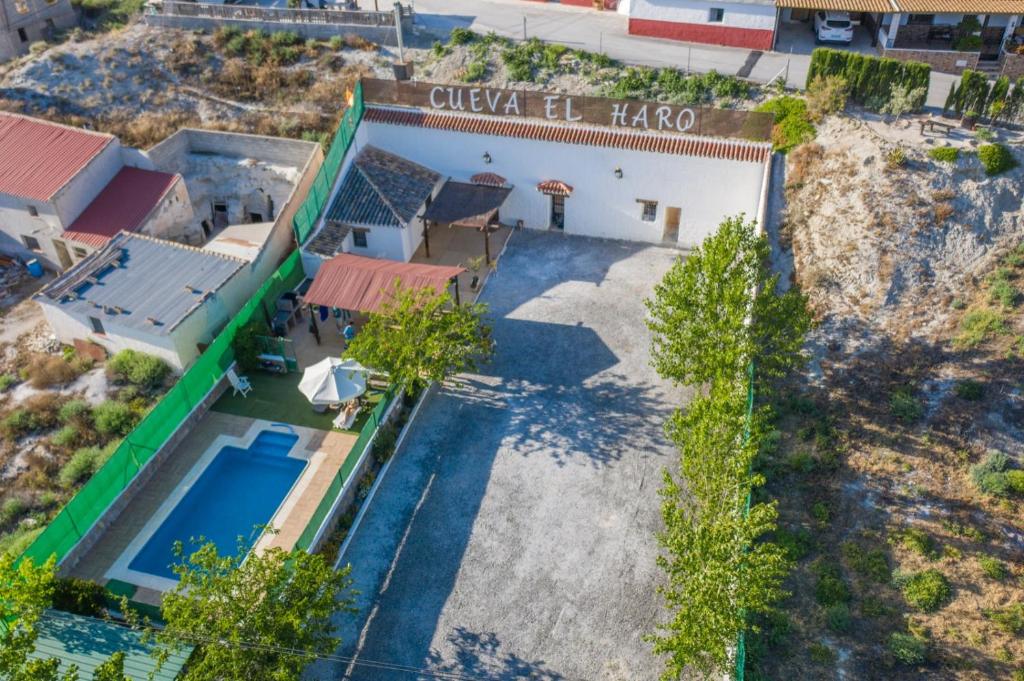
(307, 536)
(85, 508)
(310, 210)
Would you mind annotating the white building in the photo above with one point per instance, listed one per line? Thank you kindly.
(159, 297)
(622, 181)
(737, 23)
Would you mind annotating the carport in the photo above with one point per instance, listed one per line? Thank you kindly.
(796, 20)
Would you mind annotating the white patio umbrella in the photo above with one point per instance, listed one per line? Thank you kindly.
(333, 380)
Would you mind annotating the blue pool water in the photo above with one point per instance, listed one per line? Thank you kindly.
(238, 490)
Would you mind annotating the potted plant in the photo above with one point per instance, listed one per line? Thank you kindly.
(969, 120)
(474, 265)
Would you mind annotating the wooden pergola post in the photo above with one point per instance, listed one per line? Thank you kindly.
(487, 244)
(426, 237)
(456, 280)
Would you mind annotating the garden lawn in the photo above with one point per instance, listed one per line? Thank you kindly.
(276, 397)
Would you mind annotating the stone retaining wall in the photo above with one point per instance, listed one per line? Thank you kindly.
(940, 60)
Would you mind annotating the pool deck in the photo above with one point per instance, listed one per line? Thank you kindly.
(325, 451)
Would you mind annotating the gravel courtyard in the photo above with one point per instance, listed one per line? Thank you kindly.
(514, 536)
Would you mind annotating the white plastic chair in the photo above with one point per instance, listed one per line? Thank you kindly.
(239, 384)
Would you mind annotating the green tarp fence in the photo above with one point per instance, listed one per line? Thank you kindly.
(309, 212)
(85, 508)
(369, 428)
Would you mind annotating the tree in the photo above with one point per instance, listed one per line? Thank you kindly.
(718, 311)
(26, 591)
(265, 616)
(419, 336)
(111, 670)
(902, 100)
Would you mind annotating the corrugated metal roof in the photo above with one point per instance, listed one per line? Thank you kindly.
(142, 283)
(884, 6)
(123, 205)
(686, 145)
(960, 6)
(381, 188)
(88, 642)
(37, 157)
(354, 282)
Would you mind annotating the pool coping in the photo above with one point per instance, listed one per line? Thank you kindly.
(120, 570)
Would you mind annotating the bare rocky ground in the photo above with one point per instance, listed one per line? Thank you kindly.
(901, 397)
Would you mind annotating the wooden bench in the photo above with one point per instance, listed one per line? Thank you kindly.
(932, 123)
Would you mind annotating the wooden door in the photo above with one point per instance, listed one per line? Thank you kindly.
(671, 232)
(62, 254)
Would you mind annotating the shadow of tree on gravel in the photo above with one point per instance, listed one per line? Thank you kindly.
(479, 656)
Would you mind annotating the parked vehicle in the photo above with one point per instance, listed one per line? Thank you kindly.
(833, 27)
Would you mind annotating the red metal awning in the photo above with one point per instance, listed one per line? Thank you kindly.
(355, 282)
(556, 187)
(489, 179)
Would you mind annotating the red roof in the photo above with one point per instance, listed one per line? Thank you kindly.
(123, 204)
(37, 157)
(488, 179)
(354, 282)
(662, 143)
(556, 187)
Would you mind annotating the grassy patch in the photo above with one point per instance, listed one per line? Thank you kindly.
(904, 405)
(907, 648)
(1009, 619)
(979, 325)
(944, 154)
(993, 568)
(276, 397)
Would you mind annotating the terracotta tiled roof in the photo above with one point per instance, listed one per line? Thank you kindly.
(883, 6)
(123, 204)
(960, 6)
(556, 187)
(488, 179)
(663, 143)
(37, 157)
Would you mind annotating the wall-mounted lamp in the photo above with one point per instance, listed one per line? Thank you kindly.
(487, 157)
(618, 173)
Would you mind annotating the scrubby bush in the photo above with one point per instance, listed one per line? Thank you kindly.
(838, 619)
(920, 542)
(792, 122)
(474, 71)
(826, 95)
(996, 158)
(1015, 481)
(873, 564)
(80, 466)
(896, 158)
(18, 423)
(6, 381)
(989, 475)
(907, 648)
(1001, 289)
(137, 368)
(871, 80)
(904, 405)
(944, 154)
(993, 568)
(797, 543)
(830, 589)
(461, 36)
(927, 591)
(65, 437)
(11, 510)
(74, 411)
(969, 390)
(114, 419)
(45, 371)
(978, 325)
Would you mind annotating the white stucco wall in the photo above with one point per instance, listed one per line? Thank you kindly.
(16, 222)
(707, 190)
(171, 215)
(736, 15)
(76, 195)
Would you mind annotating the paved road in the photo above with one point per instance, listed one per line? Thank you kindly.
(514, 536)
(606, 32)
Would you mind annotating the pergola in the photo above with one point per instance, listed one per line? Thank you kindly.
(462, 204)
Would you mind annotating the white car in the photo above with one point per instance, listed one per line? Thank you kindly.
(833, 27)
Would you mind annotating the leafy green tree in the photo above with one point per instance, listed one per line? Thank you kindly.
(265, 616)
(111, 670)
(420, 336)
(26, 591)
(718, 311)
(718, 573)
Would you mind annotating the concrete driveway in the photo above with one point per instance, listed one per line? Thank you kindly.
(514, 536)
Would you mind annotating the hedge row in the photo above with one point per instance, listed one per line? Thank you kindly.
(870, 79)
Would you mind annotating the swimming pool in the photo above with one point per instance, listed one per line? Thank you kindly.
(239, 490)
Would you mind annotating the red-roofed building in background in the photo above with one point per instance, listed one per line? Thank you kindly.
(133, 199)
(59, 183)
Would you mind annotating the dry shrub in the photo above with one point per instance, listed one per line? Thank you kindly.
(44, 408)
(943, 195)
(186, 56)
(268, 80)
(147, 129)
(826, 95)
(358, 42)
(803, 161)
(326, 93)
(49, 370)
(943, 211)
